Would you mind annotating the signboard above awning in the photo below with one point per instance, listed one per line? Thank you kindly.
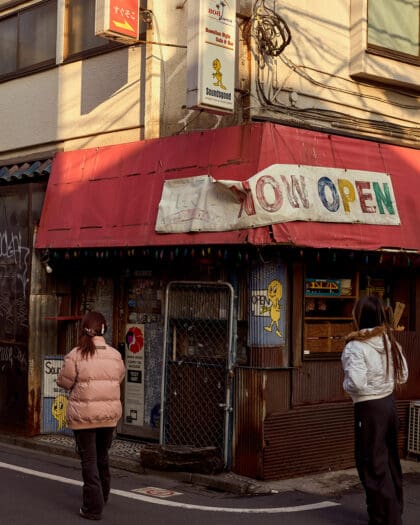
(110, 196)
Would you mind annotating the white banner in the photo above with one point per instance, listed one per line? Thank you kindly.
(280, 193)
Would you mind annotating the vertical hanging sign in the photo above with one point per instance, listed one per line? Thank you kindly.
(117, 20)
(211, 55)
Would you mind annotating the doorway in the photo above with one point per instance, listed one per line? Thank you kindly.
(198, 365)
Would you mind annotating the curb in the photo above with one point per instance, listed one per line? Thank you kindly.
(224, 482)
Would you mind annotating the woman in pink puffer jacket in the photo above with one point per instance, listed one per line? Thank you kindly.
(93, 372)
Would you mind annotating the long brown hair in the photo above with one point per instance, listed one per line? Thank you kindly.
(369, 312)
(93, 323)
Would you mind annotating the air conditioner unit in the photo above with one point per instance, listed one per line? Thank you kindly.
(414, 428)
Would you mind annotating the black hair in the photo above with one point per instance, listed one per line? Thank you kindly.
(370, 312)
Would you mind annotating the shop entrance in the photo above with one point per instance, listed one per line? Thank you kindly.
(198, 361)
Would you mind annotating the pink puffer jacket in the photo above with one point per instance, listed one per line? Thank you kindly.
(94, 386)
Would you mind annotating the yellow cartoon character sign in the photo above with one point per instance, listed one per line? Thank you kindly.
(217, 75)
(268, 304)
(274, 294)
(59, 409)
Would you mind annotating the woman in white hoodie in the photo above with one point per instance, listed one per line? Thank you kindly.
(374, 365)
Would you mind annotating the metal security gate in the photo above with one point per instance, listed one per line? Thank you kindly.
(196, 389)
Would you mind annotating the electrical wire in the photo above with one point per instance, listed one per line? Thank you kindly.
(270, 31)
(272, 35)
(301, 71)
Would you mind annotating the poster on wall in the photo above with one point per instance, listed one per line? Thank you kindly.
(54, 405)
(211, 55)
(267, 312)
(134, 375)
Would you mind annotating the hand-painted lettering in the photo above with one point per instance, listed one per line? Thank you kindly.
(245, 198)
(294, 189)
(51, 369)
(363, 190)
(331, 201)
(347, 193)
(281, 193)
(267, 181)
(383, 198)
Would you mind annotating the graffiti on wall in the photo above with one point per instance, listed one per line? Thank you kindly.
(12, 356)
(14, 278)
(17, 213)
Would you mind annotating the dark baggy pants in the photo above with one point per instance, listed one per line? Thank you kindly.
(93, 446)
(377, 459)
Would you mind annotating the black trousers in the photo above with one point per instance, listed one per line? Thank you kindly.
(93, 446)
(377, 459)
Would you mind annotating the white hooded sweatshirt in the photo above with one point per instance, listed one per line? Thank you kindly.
(365, 374)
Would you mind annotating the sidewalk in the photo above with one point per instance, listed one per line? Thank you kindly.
(125, 455)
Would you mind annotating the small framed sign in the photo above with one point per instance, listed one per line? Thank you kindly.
(322, 287)
(117, 20)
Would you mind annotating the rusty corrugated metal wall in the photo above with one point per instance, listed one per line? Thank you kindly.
(43, 339)
(248, 410)
(294, 422)
(410, 342)
(315, 439)
(318, 382)
(48, 336)
(256, 393)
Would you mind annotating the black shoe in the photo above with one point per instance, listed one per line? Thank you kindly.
(88, 516)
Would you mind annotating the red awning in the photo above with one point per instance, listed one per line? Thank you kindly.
(109, 196)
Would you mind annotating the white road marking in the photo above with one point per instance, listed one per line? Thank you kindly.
(166, 503)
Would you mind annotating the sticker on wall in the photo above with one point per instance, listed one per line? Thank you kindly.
(134, 376)
(267, 312)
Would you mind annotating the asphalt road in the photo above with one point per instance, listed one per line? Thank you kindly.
(38, 488)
